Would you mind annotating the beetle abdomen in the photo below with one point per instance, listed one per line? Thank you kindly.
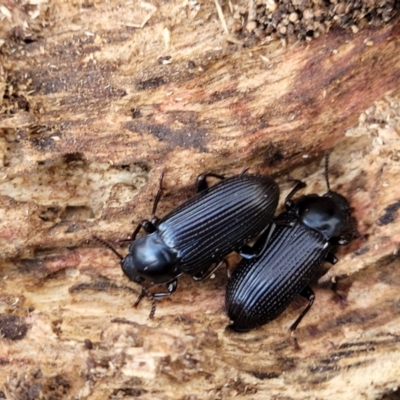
(219, 220)
(261, 289)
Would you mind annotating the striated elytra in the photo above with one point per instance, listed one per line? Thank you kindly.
(195, 237)
(292, 249)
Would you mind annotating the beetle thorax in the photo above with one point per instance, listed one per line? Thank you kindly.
(322, 214)
(150, 259)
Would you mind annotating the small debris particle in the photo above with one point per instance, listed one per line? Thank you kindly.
(282, 30)
(151, 83)
(135, 113)
(6, 12)
(308, 14)
(12, 327)
(271, 5)
(306, 19)
(251, 26)
(265, 59)
(361, 251)
(293, 17)
(354, 28)
(88, 344)
(164, 60)
(167, 37)
(390, 214)
(221, 16)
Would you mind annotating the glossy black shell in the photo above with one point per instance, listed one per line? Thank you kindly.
(261, 289)
(219, 220)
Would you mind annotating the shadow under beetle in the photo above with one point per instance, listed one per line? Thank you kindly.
(196, 236)
(292, 249)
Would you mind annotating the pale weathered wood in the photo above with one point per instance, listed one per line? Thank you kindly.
(91, 116)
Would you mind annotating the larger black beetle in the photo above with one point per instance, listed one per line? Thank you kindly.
(292, 249)
(200, 232)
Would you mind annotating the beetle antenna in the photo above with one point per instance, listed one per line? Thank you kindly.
(108, 245)
(326, 170)
(158, 195)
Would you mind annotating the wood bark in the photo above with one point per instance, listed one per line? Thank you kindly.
(94, 108)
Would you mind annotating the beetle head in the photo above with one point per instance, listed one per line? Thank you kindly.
(150, 259)
(340, 201)
(328, 215)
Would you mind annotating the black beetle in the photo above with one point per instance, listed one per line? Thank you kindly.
(292, 249)
(201, 232)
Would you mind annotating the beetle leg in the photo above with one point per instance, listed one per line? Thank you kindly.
(201, 276)
(331, 258)
(334, 286)
(142, 294)
(249, 253)
(147, 225)
(343, 241)
(354, 231)
(158, 197)
(172, 286)
(201, 181)
(170, 289)
(281, 222)
(299, 185)
(140, 297)
(310, 296)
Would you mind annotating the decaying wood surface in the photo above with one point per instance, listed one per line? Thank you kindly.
(96, 100)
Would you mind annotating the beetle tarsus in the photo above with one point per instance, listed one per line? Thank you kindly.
(295, 341)
(334, 287)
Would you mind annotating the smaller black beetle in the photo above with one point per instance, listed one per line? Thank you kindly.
(201, 232)
(292, 249)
